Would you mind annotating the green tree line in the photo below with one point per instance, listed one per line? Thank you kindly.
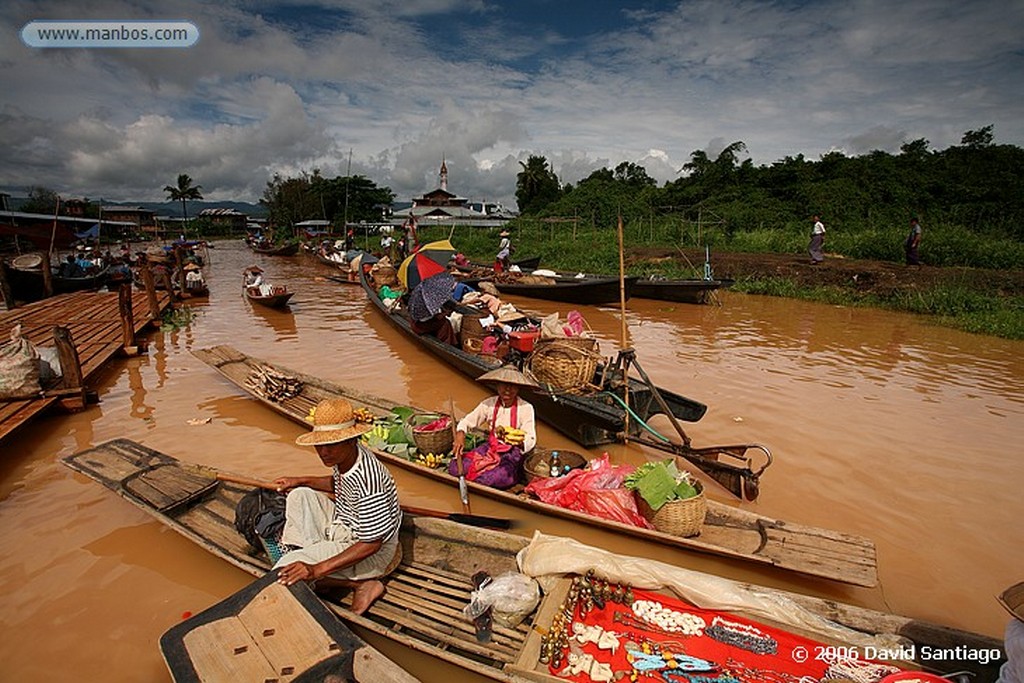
(313, 197)
(970, 198)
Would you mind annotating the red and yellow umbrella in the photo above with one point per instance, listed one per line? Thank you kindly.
(431, 259)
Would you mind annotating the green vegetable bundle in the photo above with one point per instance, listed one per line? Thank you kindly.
(660, 482)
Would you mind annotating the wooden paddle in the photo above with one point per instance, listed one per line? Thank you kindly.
(461, 518)
(463, 488)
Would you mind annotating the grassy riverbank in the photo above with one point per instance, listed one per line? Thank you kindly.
(986, 301)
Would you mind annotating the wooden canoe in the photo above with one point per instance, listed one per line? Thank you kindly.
(692, 291)
(269, 632)
(728, 531)
(277, 298)
(587, 291)
(589, 419)
(422, 608)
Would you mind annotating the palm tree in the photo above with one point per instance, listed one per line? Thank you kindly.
(185, 190)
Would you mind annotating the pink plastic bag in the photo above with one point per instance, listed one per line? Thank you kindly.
(596, 490)
(575, 324)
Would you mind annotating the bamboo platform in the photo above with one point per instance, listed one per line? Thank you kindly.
(94, 320)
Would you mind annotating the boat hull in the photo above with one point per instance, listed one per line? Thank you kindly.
(679, 291)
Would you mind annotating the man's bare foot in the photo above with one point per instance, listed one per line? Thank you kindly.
(364, 595)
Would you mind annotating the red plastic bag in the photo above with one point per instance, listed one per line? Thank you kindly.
(596, 490)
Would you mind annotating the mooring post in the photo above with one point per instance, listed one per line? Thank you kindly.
(165, 277)
(147, 280)
(5, 288)
(124, 305)
(47, 275)
(72, 387)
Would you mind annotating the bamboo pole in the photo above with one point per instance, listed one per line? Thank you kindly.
(622, 325)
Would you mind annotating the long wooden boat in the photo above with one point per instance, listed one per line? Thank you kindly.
(289, 249)
(27, 282)
(269, 632)
(727, 531)
(423, 606)
(686, 291)
(327, 261)
(599, 417)
(586, 291)
(277, 298)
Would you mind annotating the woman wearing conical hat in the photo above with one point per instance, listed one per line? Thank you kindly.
(511, 431)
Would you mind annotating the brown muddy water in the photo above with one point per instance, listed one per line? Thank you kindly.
(881, 425)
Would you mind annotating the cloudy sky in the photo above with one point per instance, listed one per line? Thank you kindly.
(289, 86)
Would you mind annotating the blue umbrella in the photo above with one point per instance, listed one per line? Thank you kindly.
(427, 298)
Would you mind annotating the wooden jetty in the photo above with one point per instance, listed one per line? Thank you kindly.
(93, 326)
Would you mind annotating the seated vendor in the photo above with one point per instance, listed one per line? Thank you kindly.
(511, 432)
(429, 304)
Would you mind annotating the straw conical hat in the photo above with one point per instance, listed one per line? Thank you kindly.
(333, 422)
(508, 375)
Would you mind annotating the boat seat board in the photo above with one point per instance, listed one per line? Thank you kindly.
(224, 650)
(166, 486)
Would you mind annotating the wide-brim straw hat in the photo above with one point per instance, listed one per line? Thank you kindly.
(507, 375)
(254, 269)
(190, 266)
(1013, 600)
(333, 422)
(503, 233)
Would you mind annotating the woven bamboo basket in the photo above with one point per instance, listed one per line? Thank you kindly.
(565, 363)
(677, 517)
(471, 328)
(439, 442)
(537, 455)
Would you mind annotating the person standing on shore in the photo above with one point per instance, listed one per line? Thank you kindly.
(816, 247)
(913, 242)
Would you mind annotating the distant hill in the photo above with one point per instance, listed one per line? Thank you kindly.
(172, 208)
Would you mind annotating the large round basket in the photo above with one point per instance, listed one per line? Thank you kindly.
(677, 517)
(471, 328)
(539, 455)
(439, 442)
(565, 363)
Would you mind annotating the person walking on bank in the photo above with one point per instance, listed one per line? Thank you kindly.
(343, 526)
(913, 242)
(816, 247)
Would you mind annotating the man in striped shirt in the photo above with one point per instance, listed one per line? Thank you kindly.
(343, 525)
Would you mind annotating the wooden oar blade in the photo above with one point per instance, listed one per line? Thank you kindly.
(481, 520)
(461, 517)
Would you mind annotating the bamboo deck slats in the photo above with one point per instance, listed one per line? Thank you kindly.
(94, 320)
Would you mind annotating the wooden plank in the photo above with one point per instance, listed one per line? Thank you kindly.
(287, 635)
(224, 650)
(94, 319)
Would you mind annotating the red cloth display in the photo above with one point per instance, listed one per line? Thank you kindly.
(712, 647)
